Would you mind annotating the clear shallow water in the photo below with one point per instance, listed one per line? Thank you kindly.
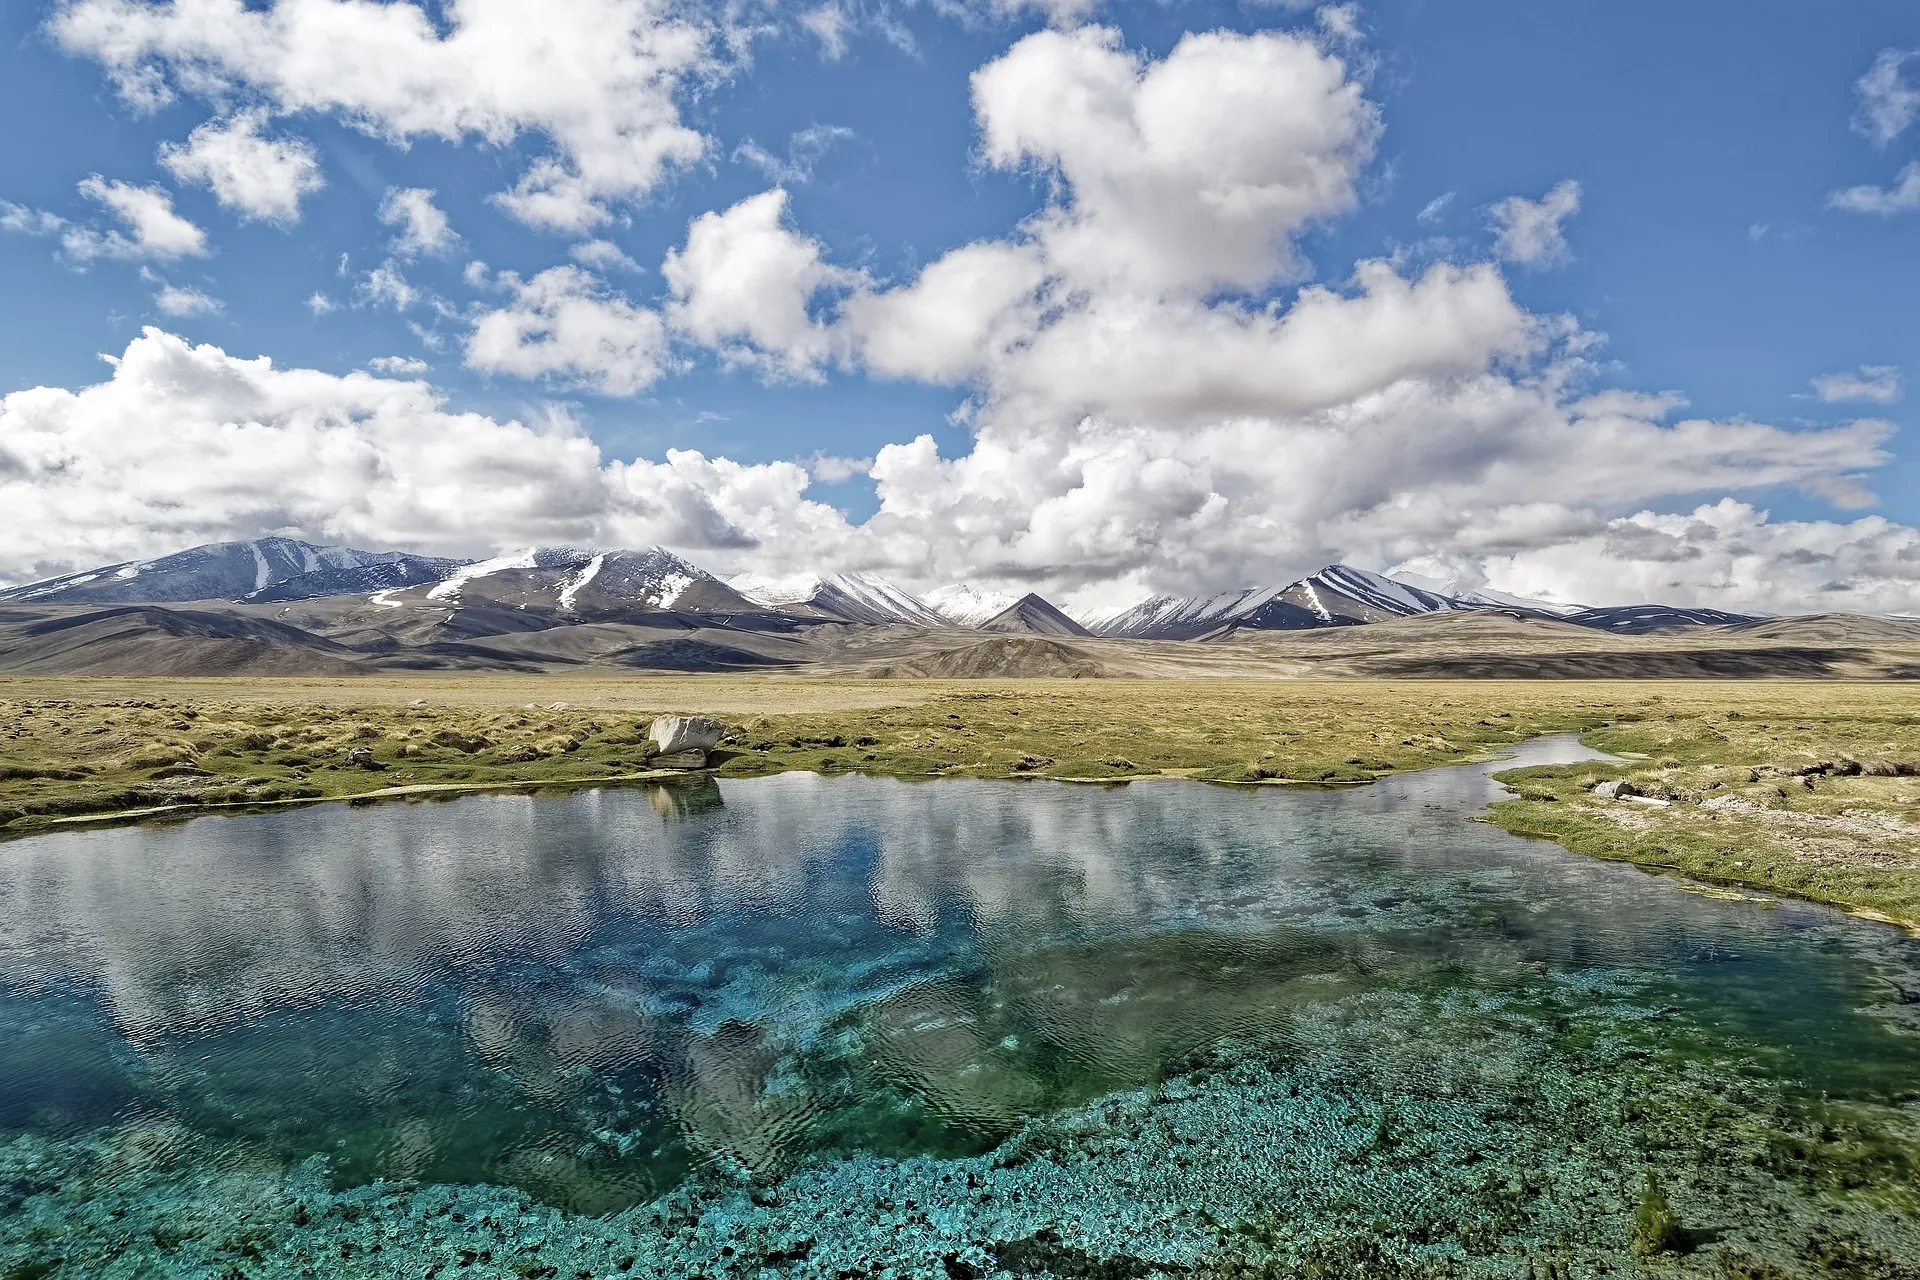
(607, 997)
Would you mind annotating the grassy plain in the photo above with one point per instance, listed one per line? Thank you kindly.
(1731, 759)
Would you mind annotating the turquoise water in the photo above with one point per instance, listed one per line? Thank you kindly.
(841, 1025)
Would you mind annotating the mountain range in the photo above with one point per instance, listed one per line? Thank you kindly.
(602, 584)
(279, 605)
(264, 569)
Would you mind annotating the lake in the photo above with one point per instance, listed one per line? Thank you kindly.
(808, 1025)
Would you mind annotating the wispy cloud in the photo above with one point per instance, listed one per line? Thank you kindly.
(1901, 197)
(1874, 383)
(1528, 231)
(804, 151)
(1887, 103)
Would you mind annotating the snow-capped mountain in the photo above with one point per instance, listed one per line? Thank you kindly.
(584, 581)
(1179, 618)
(1456, 589)
(391, 575)
(236, 570)
(1338, 595)
(965, 605)
(1033, 615)
(848, 597)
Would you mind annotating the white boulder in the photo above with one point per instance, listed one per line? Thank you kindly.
(674, 735)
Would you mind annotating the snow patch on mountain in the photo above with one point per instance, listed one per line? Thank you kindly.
(775, 591)
(849, 597)
(1337, 595)
(1461, 590)
(586, 575)
(1380, 592)
(1165, 613)
(449, 587)
(672, 587)
(965, 605)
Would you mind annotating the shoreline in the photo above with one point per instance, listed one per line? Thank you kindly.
(1689, 880)
(184, 808)
(1805, 790)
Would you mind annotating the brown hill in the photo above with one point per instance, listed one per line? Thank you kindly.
(122, 640)
(1004, 657)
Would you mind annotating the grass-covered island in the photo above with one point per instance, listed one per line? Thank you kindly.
(1797, 788)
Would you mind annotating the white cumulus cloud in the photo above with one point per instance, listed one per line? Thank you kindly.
(1528, 231)
(238, 447)
(602, 255)
(423, 227)
(565, 326)
(257, 177)
(1152, 406)
(742, 282)
(1191, 173)
(153, 230)
(184, 300)
(597, 78)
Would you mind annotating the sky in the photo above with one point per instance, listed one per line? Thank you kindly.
(1594, 303)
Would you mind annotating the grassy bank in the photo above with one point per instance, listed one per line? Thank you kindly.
(75, 747)
(1731, 759)
(1793, 790)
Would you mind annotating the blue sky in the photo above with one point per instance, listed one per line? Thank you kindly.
(1706, 142)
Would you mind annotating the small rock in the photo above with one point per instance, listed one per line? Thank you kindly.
(676, 734)
(362, 758)
(1617, 789)
(692, 758)
(1730, 804)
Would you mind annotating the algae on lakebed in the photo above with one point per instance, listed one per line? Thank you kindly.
(1459, 1133)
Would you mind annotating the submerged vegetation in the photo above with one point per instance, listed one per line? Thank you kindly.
(1417, 1073)
(1543, 1134)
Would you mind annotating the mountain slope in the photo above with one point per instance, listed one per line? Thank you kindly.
(1338, 595)
(845, 597)
(1455, 589)
(965, 605)
(1648, 619)
(391, 575)
(231, 570)
(152, 640)
(1031, 615)
(584, 582)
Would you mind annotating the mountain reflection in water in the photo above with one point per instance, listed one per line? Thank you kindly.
(588, 994)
